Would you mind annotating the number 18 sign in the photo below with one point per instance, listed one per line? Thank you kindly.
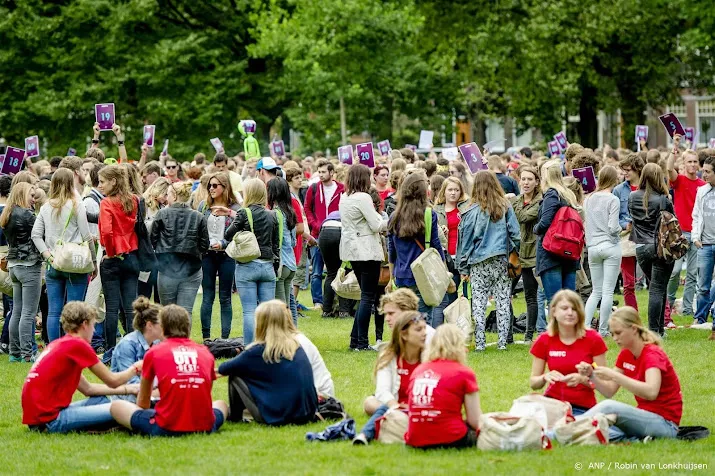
(13, 160)
(345, 154)
(365, 154)
(104, 114)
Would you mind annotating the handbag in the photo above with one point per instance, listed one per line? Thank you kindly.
(429, 270)
(385, 275)
(547, 410)
(72, 257)
(244, 245)
(628, 248)
(145, 252)
(392, 426)
(513, 264)
(5, 283)
(582, 431)
(95, 296)
(459, 313)
(346, 284)
(504, 432)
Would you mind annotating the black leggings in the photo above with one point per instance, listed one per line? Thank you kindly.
(531, 289)
(367, 274)
(329, 244)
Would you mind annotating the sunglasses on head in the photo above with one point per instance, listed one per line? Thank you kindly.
(421, 317)
(214, 185)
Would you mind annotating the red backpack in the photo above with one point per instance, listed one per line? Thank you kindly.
(566, 236)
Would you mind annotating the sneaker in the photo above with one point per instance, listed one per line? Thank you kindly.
(712, 336)
(327, 315)
(32, 358)
(99, 350)
(318, 307)
(695, 322)
(647, 439)
(360, 440)
(14, 359)
(344, 315)
(528, 339)
(480, 349)
(671, 325)
(501, 347)
(4, 349)
(377, 345)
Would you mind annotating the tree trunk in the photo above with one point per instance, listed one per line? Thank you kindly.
(588, 125)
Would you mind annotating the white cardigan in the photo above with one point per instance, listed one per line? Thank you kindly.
(360, 237)
(697, 230)
(322, 379)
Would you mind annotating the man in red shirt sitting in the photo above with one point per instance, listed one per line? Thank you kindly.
(185, 371)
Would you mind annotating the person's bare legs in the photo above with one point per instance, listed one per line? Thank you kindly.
(371, 405)
(122, 412)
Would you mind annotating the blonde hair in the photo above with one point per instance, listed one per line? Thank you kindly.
(17, 198)
(551, 178)
(254, 193)
(448, 344)
(404, 298)
(76, 313)
(62, 190)
(275, 330)
(628, 317)
(396, 347)
(575, 300)
(398, 164)
(156, 190)
(441, 195)
(24, 176)
(182, 191)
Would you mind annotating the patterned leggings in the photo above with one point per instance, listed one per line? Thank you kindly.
(490, 278)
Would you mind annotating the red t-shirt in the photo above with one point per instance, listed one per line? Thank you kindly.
(185, 371)
(437, 391)
(453, 219)
(634, 188)
(385, 193)
(564, 358)
(54, 378)
(404, 370)
(684, 191)
(298, 249)
(669, 403)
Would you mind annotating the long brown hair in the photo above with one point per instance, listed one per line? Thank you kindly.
(396, 348)
(358, 179)
(489, 195)
(228, 196)
(136, 186)
(607, 178)
(652, 180)
(408, 219)
(17, 198)
(62, 190)
(120, 190)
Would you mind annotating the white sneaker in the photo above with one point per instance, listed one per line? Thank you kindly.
(360, 440)
(377, 345)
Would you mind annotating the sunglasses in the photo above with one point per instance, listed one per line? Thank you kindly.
(214, 185)
(422, 317)
(171, 167)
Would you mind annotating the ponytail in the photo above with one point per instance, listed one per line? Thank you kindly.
(628, 317)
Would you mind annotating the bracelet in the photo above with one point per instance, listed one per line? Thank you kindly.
(125, 390)
(120, 142)
(95, 141)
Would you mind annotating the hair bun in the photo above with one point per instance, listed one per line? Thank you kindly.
(142, 304)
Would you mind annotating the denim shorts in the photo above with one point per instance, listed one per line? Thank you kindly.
(143, 422)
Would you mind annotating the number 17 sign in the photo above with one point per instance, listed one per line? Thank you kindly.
(365, 154)
(104, 114)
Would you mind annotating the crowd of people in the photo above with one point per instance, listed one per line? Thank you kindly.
(152, 233)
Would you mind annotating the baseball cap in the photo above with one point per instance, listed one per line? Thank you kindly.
(267, 163)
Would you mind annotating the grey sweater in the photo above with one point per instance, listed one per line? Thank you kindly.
(602, 210)
(49, 226)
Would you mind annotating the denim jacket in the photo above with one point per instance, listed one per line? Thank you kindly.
(128, 351)
(623, 191)
(480, 238)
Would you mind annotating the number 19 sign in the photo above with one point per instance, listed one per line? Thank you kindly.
(104, 114)
(13, 160)
(365, 154)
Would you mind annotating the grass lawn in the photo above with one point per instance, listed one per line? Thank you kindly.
(249, 448)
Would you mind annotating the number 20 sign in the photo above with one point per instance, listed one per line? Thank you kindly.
(365, 154)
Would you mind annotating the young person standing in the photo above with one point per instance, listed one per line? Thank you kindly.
(381, 174)
(172, 169)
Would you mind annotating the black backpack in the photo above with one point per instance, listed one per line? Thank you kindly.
(225, 348)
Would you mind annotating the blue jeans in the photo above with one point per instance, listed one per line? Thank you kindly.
(633, 422)
(26, 285)
(691, 272)
(316, 276)
(217, 263)
(143, 422)
(422, 306)
(706, 262)
(369, 429)
(179, 291)
(541, 317)
(256, 283)
(82, 415)
(449, 298)
(62, 288)
(294, 309)
(556, 279)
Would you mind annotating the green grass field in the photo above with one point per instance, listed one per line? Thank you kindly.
(252, 449)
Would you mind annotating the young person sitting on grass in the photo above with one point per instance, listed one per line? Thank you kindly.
(395, 365)
(398, 301)
(273, 378)
(566, 343)
(644, 369)
(135, 345)
(185, 371)
(47, 393)
(438, 390)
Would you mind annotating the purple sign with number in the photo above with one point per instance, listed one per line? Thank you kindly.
(554, 148)
(365, 154)
(149, 135)
(216, 142)
(642, 132)
(249, 126)
(13, 160)
(345, 154)
(560, 139)
(711, 143)
(690, 134)
(412, 147)
(32, 146)
(586, 177)
(278, 147)
(472, 156)
(384, 147)
(2, 160)
(71, 152)
(104, 114)
(672, 124)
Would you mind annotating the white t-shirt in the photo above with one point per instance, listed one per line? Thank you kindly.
(329, 191)
(217, 227)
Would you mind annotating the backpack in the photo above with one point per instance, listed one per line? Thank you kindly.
(225, 348)
(566, 236)
(669, 240)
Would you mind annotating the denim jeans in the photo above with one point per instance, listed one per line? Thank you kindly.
(556, 279)
(634, 422)
(316, 275)
(180, 291)
(62, 288)
(294, 309)
(428, 311)
(604, 260)
(120, 278)
(217, 263)
(691, 277)
(706, 262)
(542, 311)
(26, 289)
(367, 274)
(284, 285)
(82, 415)
(438, 313)
(256, 283)
(369, 429)
(657, 271)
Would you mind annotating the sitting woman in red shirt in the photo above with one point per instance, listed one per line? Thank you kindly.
(567, 343)
(57, 373)
(438, 390)
(395, 364)
(185, 371)
(644, 369)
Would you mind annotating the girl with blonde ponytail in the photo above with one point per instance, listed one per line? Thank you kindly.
(644, 369)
